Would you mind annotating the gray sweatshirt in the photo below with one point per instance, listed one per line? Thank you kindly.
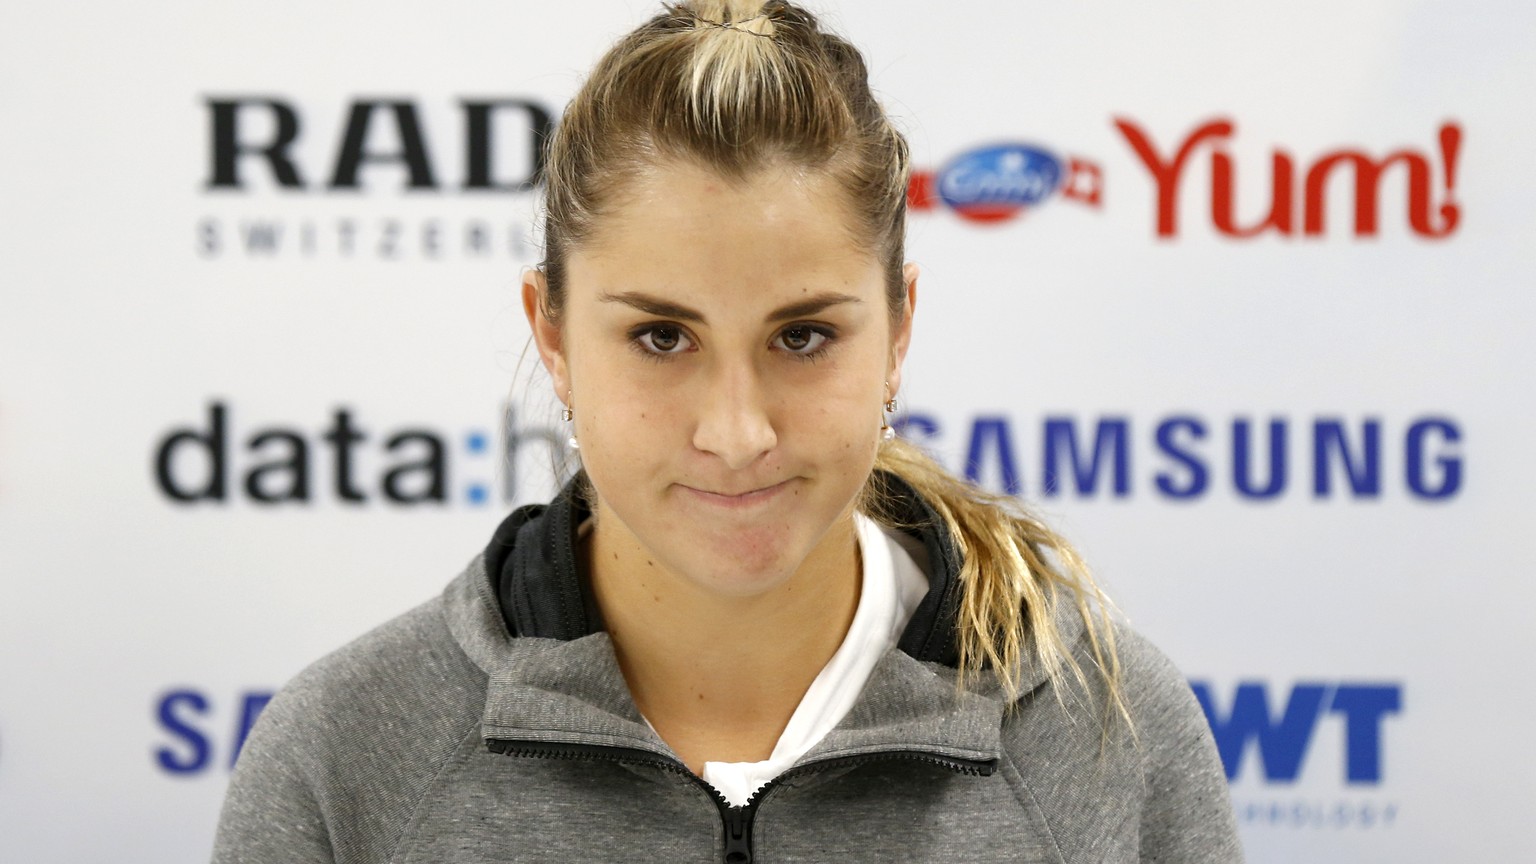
(492, 724)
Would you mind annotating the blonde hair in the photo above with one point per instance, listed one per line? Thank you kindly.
(735, 85)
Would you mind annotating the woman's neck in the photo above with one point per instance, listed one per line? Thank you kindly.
(718, 676)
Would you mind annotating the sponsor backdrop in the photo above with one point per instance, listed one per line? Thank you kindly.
(1238, 295)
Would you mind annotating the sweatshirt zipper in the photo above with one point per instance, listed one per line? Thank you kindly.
(736, 820)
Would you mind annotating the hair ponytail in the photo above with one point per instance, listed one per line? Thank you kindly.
(1016, 574)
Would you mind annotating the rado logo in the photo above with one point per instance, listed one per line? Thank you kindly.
(248, 134)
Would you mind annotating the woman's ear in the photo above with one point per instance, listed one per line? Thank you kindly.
(546, 334)
(901, 338)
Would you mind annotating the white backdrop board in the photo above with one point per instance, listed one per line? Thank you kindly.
(1237, 295)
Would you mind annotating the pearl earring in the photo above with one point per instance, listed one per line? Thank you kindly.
(568, 415)
(886, 431)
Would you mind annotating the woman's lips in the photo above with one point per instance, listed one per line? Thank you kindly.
(750, 498)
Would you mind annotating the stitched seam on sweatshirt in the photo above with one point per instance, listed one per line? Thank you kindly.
(564, 736)
(416, 810)
(308, 782)
(1033, 803)
(485, 591)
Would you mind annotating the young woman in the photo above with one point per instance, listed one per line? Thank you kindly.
(756, 626)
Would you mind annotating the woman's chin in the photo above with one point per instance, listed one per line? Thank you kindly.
(740, 574)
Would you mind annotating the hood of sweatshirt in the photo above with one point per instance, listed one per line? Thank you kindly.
(522, 612)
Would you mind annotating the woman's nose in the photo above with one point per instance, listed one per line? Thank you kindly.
(733, 421)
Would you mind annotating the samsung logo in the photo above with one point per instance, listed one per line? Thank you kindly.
(1187, 457)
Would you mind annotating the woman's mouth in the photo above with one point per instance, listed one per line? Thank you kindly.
(738, 500)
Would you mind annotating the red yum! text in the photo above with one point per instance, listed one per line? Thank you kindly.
(1430, 175)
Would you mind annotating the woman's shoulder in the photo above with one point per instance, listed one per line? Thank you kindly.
(426, 668)
(373, 720)
(412, 657)
(406, 672)
(1155, 690)
(1155, 777)
(1148, 685)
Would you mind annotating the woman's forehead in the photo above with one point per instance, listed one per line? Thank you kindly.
(698, 201)
(684, 230)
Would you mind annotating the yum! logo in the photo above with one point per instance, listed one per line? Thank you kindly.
(999, 182)
(1298, 189)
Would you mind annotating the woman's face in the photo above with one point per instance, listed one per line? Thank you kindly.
(726, 349)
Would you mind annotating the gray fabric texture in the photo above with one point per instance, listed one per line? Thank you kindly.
(379, 753)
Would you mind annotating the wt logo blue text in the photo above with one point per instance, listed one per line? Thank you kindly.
(1282, 730)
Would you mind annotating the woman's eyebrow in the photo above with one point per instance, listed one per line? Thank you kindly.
(676, 311)
(810, 306)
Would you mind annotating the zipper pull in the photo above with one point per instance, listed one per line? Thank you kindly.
(738, 836)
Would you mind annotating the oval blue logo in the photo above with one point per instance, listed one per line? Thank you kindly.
(989, 184)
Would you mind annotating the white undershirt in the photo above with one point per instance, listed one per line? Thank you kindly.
(893, 585)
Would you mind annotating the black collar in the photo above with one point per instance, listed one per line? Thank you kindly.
(532, 561)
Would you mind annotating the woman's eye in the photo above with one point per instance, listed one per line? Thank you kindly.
(663, 339)
(802, 339)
